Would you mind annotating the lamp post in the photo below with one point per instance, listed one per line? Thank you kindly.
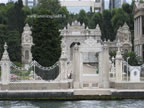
(127, 67)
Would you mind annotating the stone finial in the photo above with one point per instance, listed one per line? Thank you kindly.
(27, 27)
(5, 54)
(87, 27)
(76, 47)
(118, 45)
(76, 22)
(125, 26)
(79, 23)
(68, 25)
(83, 24)
(97, 27)
(64, 28)
(72, 23)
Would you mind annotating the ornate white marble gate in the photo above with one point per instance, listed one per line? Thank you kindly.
(81, 79)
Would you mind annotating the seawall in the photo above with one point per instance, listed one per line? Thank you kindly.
(69, 95)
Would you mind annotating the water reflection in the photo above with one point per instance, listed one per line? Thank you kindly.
(73, 104)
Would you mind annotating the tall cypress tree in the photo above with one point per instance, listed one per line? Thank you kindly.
(46, 37)
(16, 17)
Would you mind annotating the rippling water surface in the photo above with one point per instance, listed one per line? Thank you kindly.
(73, 104)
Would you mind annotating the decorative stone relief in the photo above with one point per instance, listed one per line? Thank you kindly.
(27, 43)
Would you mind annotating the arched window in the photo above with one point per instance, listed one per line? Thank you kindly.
(26, 54)
(126, 51)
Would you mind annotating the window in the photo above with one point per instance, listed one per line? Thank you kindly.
(97, 0)
(26, 54)
(142, 25)
(135, 73)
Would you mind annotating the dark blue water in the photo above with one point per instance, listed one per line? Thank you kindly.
(73, 104)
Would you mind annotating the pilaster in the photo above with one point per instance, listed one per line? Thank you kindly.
(118, 66)
(104, 67)
(5, 67)
(76, 67)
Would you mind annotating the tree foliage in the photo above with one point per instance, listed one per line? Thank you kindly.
(82, 17)
(12, 19)
(16, 17)
(52, 5)
(46, 37)
(134, 60)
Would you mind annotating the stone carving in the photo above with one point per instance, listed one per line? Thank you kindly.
(27, 43)
(5, 66)
(63, 46)
(98, 31)
(118, 45)
(124, 37)
(135, 73)
(5, 54)
(90, 42)
(76, 33)
(124, 34)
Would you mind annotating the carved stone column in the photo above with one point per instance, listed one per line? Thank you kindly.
(63, 63)
(118, 66)
(100, 69)
(140, 26)
(76, 67)
(5, 67)
(63, 69)
(104, 68)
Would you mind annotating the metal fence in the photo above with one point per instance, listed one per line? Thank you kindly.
(33, 71)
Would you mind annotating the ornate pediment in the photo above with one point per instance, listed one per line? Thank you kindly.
(91, 45)
(123, 33)
(91, 42)
(26, 35)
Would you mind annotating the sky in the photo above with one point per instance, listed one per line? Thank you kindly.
(3, 1)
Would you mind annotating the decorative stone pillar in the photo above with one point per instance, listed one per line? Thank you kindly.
(63, 68)
(135, 28)
(63, 63)
(26, 43)
(5, 67)
(140, 26)
(104, 71)
(101, 69)
(76, 67)
(118, 65)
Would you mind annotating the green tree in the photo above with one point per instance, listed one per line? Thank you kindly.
(52, 5)
(96, 19)
(119, 18)
(3, 12)
(64, 17)
(82, 17)
(129, 10)
(13, 40)
(46, 37)
(133, 60)
(16, 17)
(107, 31)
